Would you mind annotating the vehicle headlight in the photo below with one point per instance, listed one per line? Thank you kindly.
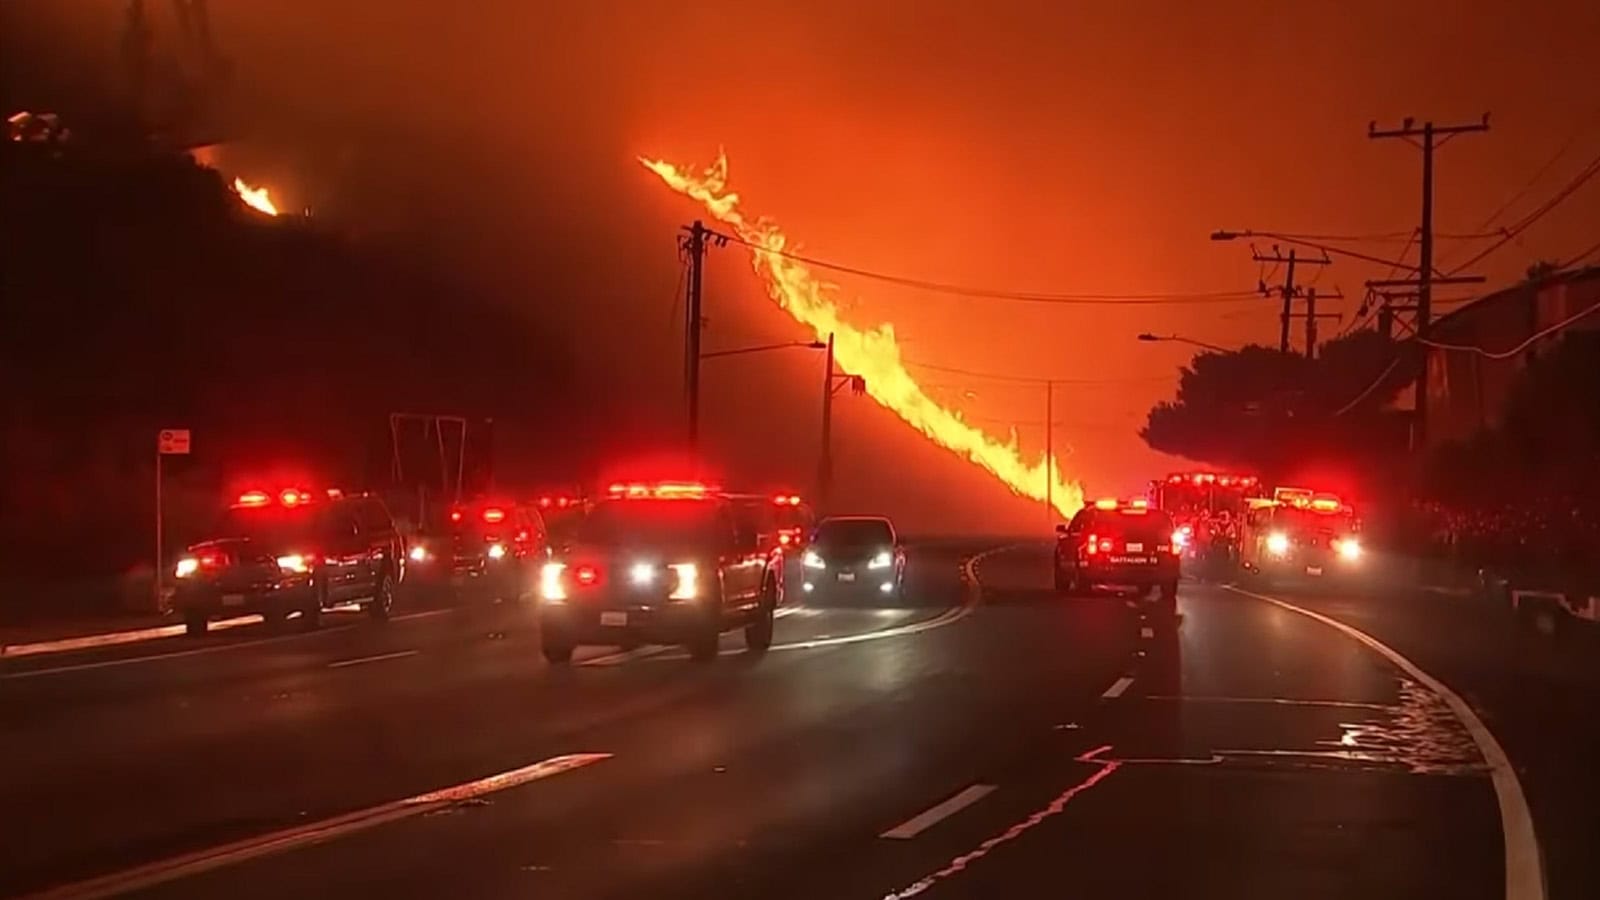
(418, 553)
(882, 561)
(496, 551)
(551, 587)
(186, 567)
(642, 573)
(688, 581)
(812, 561)
(1349, 549)
(1277, 543)
(294, 562)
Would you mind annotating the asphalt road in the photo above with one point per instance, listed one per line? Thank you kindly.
(982, 740)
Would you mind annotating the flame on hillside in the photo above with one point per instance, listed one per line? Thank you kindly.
(870, 353)
(254, 197)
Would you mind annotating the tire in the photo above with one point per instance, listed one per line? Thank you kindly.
(1063, 583)
(758, 634)
(274, 617)
(557, 651)
(195, 623)
(382, 602)
(311, 613)
(1167, 601)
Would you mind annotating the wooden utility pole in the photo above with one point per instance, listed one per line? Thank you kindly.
(1430, 134)
(694, 245)
(1312, 316)
(1288, 291)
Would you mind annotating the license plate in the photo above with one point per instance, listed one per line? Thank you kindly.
(1313, 570)
(1132, 560)
(1135, 548)
(613, 619)
(847, 576)
(232, 599)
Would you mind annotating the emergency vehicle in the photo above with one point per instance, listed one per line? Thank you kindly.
(662, 562)
(291, 551)
(487, 548)
(1123, 543)
(1299, 535)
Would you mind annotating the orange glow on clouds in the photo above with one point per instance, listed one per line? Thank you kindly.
(871, 353)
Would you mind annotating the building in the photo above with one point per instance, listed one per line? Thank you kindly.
(1467, 391)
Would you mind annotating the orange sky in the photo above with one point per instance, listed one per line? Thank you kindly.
(1018, 145)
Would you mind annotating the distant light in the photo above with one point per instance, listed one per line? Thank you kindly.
(496, 551)
(418, 553)
(642, 573)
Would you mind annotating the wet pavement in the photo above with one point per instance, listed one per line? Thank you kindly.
(974, 741)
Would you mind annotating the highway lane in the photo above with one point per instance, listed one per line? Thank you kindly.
(1030, 745)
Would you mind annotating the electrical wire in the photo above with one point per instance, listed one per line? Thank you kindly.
(998, 294)
(1369, 389)
(1532, 339)
(1540, 172)
(1589, 170)
(1025, 379)
(1579, 258)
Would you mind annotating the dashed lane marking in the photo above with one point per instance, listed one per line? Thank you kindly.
(1117, 688)
(937, 813)
(1524, 867)
(381, 657)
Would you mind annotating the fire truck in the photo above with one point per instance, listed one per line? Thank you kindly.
(1301, 535)
(1207, 507)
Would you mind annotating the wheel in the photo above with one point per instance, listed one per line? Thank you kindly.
(194, 623)
(382, 599)
(702, 646)
(274, 617)
(557, 652)
(1167, 603)
(1063, 584)
(758, 634)
(311, 613)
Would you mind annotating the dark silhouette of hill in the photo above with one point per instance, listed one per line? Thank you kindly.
(138, 292)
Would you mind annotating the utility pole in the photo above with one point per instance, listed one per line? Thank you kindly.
(1429, 132)
(1049, 453)
(825, 460)
(1288, 291)
(832, 383)
(695, 245)
(1312, 316)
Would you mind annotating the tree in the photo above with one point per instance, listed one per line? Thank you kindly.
(1283, 415)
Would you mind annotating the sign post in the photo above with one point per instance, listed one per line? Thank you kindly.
(169, 442)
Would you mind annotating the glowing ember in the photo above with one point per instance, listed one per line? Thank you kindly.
(872, 353)
(255, 198)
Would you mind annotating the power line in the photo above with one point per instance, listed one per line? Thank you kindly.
(1579, 258)
(1026, 379)
(1540, 172)
(1369, 389)
(1532, 339)
(999, 294)
(1589, 170)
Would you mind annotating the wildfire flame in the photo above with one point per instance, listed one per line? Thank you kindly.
(870, 353)
(254, 197)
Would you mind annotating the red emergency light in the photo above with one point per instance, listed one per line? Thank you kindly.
(494, 515)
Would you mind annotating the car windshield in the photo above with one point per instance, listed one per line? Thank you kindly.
(854, 533)
(652, 523)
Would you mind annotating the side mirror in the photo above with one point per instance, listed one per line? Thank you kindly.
(1061, 528)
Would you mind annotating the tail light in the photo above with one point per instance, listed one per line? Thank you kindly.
(552, 587)
(1097, 544)
(587, 576)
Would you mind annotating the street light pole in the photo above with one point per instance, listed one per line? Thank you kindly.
(1147, 337)
(825, 461)
(1049, 453)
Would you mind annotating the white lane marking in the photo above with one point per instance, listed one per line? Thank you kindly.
(115, 638)
(363, 660)
(188, 864)
(1523, 866)
(960, 863)
(937, 813)
(201, 651)
(1282, 701)
(1117, 688)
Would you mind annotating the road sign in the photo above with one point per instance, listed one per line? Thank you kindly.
(173, 442)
